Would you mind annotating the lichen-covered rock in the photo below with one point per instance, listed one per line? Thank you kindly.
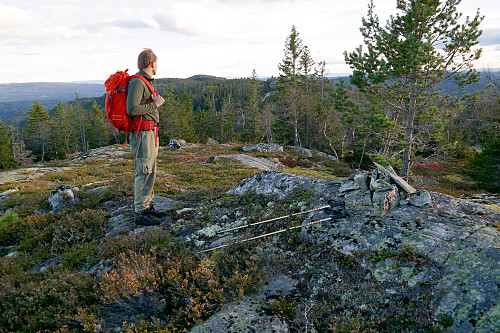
(253, 162)
(347, 186)
(358, 200)
(63, 197)
(246, 315)
(280, 184)
(380, 186)
(326, 156)
(421, 199)
(304, 152)
(362, 180)
(264, 148)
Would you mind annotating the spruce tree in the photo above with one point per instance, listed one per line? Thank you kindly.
(60, 129)
(250, 131)
(286, 126)
(37, 131)
(186, 118)
(422, 45)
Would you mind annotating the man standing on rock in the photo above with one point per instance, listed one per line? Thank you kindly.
(144, 142)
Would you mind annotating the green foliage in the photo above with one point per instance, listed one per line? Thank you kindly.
(385, 161)
(285, 309)
(6, 153)
(404, 254)
(80, 256)
(486, 164)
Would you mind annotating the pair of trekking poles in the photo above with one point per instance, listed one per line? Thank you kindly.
(333, 215)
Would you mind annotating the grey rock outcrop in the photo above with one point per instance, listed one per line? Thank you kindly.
(304, 152)
(452, 249)
(282, 184)
(253, 162)
(326, 156)
(264, 148)
(63, 197)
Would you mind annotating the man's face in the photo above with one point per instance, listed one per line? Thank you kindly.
(155, 67)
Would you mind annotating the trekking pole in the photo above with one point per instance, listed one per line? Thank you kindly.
(334, 217)
(334, 204)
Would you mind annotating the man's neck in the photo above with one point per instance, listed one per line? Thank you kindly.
(149, 71)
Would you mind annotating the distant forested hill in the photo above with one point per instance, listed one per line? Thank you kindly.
(17, 97)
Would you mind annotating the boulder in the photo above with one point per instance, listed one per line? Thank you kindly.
(326, 156)
(175, 144)
(278, 184)
(362, 180)
(380, 185)
(347, 186)
(63, 197)
(301, 151)
(358, 200)
(264, 148)
(421, 199)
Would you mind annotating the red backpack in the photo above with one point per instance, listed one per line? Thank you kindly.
(116, 103)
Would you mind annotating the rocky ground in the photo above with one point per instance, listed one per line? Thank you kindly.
(434, 267)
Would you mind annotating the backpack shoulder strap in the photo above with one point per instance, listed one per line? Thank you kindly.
(148, 84)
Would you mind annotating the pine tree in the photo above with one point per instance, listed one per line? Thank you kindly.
(6, 153)
(418, 48)
(37, 131)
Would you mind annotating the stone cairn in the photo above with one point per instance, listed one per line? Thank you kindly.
(381, 191)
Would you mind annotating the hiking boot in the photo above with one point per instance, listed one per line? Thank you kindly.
(143, 218)
(153, 212)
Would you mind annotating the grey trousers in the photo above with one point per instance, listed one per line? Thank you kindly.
(145, 152)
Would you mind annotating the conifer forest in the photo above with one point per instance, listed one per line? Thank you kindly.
(408, 99)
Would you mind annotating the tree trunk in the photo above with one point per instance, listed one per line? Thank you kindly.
(412, 109)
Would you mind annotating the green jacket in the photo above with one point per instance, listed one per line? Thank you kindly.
(138, 95)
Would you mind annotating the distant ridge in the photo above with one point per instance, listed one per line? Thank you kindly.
(14, 92)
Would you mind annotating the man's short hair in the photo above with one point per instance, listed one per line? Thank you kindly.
(146, 57)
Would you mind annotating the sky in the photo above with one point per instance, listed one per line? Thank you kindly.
(77, 40)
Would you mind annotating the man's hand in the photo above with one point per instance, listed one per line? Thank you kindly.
(158, 100)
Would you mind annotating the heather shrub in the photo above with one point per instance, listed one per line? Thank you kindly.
(35, 302)
(49, 234)
(180, 287)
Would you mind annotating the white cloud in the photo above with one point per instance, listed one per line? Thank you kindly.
(61, 40)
